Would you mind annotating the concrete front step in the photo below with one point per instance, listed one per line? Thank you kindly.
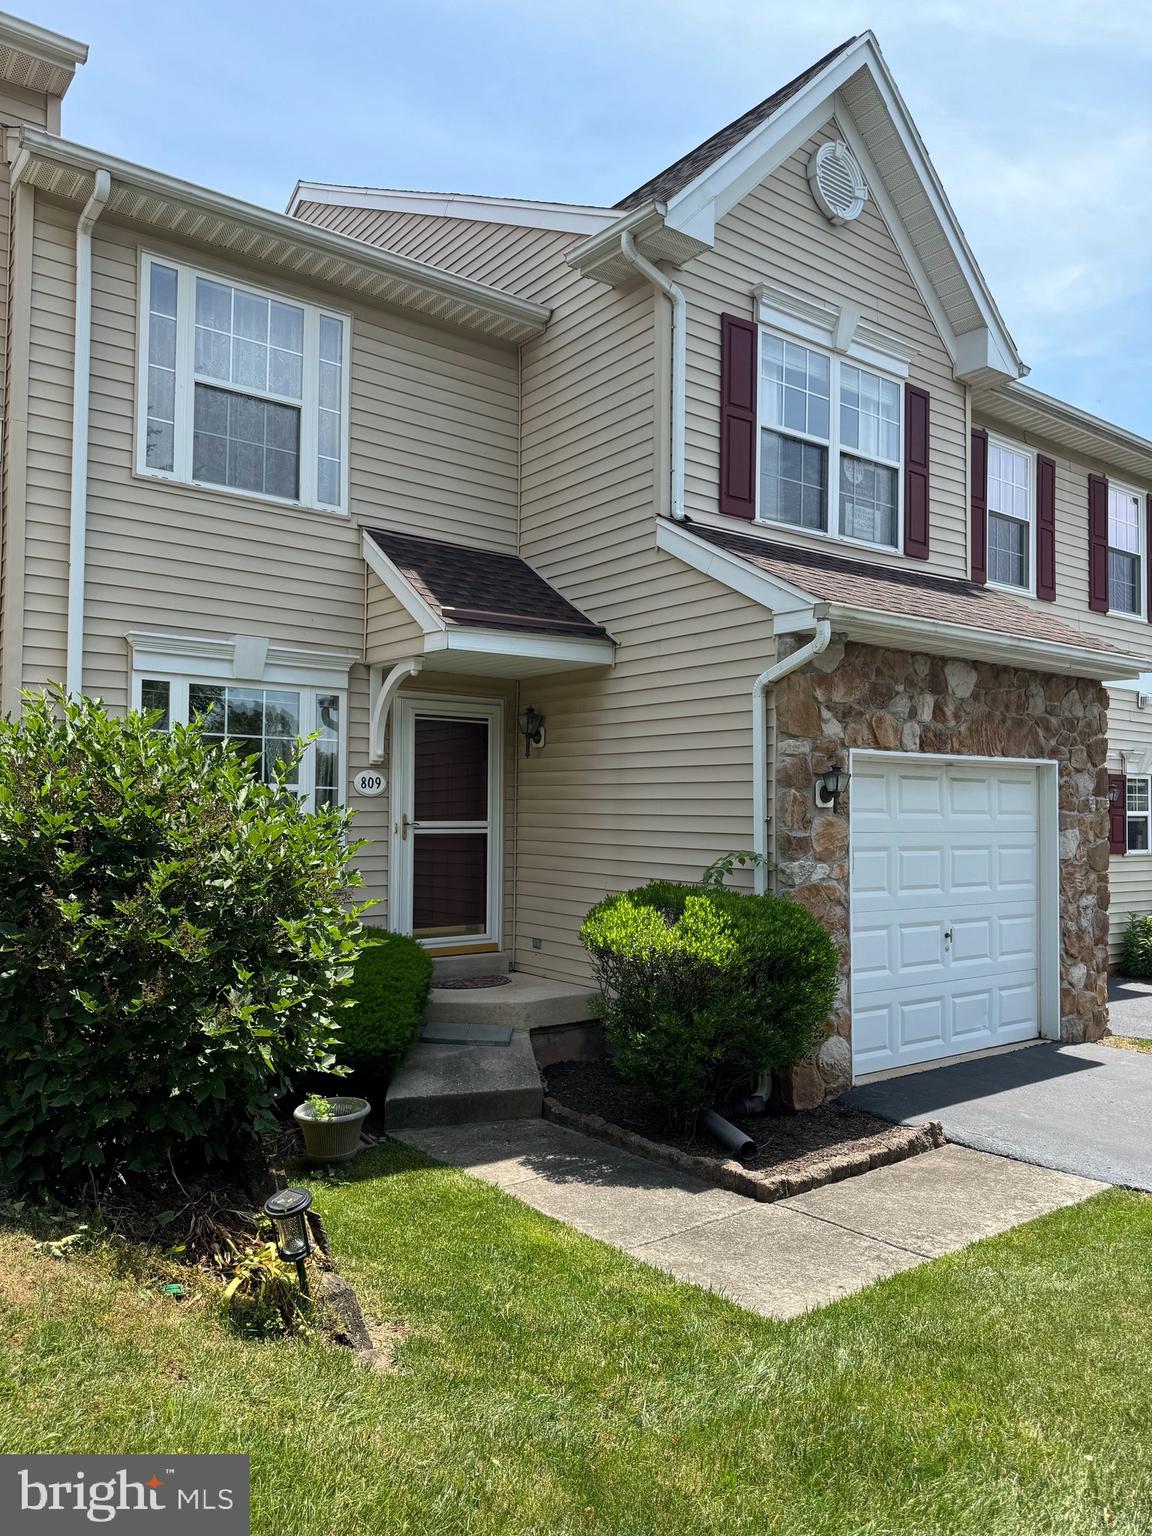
(527, 1002)
(463, 1084)
(455, 967)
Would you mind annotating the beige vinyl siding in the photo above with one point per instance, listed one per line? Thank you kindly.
(391, 631)
(433, 449)
(646, 768)
(508, 256)
(1129, 749)
(18, 107)
(1071, 606)
(778, 234)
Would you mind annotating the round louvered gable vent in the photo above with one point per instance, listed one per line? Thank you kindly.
(837, 184)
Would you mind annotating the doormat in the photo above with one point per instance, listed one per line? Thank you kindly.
(468, 983)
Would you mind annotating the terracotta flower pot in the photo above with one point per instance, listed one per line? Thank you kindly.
(333, 1138)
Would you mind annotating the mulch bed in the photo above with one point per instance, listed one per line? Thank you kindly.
(794, 1152)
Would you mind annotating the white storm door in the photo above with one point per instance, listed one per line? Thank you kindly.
(945, 909)
(446, 835)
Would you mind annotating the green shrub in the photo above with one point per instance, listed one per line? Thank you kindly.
(174, 942)
(389, 989)
(1136, 954)
(705, 988)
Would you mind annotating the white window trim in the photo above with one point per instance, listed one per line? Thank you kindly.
(999, 441)
(308, 405)
(178, 712)
(1142, 531)
(1137, 853)
(832, 443)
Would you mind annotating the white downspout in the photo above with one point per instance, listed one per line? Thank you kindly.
(679, 354)
(768, 679)
(81, 388)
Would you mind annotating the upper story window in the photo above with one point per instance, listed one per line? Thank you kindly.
(245, 390)
(1126, 553)
(261, 724)
(826, 423)
(1139, 811)
(1010, 515)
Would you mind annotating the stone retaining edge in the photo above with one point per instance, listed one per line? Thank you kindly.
(725, 1173)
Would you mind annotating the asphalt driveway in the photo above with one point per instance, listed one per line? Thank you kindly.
(1083, 1109)
(1130, 1007)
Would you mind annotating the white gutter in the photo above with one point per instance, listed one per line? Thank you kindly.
(768, 679)
(679, 354)
(81, 387)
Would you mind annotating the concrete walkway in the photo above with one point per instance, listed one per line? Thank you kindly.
(1083, 1109)
(1130, 1007)
(776, 1259)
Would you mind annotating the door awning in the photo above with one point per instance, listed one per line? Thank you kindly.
(468, 611)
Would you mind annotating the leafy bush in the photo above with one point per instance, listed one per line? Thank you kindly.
(705, 988)
(174, 940)
(1136, 953)
(389, 989)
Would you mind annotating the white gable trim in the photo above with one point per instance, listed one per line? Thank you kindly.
(572, 218)
(696, 207)
(401, 588)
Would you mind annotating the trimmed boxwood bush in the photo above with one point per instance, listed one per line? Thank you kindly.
(175, 942)
(705, 988)
(1136, 954)
(389, 989)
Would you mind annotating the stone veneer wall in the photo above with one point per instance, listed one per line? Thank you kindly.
(900, 701)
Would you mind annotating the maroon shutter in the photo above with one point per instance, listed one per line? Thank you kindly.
(915, 472)
(1098, 543)
(1117, 813)
(737, 417)
(1045, 529)
(978, 510)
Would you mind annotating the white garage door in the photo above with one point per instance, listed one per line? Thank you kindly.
(944, 910)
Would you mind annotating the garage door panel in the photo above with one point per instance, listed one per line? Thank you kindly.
(944, 910)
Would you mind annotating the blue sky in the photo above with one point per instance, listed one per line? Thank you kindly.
(1036, 112)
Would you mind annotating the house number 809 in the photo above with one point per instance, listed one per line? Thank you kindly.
(369, 781)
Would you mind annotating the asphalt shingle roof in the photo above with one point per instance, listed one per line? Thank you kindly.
(479, 589)
(899, 589)
(685, 170)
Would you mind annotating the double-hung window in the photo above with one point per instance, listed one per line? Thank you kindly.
(1126, 552)
(828, 426)
(243, 390)
(1011, 498)
(263, 724)
(1139, 807)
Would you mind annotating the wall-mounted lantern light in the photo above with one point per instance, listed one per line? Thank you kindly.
(830, 785)
(288, 1212)
(532, 729)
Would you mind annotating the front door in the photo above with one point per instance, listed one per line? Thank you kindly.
(446, 821)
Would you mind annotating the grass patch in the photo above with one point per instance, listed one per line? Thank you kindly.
(1127, 1042)
(550, 1385)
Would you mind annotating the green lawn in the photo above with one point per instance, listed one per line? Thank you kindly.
(550, 1385)
(1127, 1042)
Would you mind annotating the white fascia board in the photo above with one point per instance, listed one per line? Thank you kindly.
(902, 632)
(401, 588)
(607, 238)
(565, 650)
(36, 145)
(791, 607)
(1062, 415)
(696, 207)
(571, 218)
(39, 43)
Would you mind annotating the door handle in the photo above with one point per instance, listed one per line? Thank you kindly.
(404, 827)
(948, 935)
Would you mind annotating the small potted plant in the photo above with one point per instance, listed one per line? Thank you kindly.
(331, 1126)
